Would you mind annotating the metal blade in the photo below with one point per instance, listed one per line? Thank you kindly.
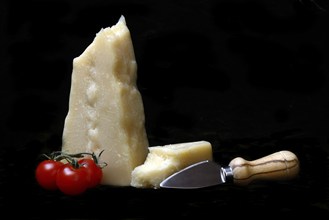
(203, 174)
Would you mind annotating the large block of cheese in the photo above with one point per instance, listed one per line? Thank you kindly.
(162, 161)
(105, 107)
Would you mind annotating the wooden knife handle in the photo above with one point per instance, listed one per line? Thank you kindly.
(282, 165)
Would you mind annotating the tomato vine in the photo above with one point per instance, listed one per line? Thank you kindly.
(72, 174)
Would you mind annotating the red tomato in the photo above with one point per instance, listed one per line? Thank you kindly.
(71, 180)
(46, 173)
(95, 173)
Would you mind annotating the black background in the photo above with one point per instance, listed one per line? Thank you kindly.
(251, 77)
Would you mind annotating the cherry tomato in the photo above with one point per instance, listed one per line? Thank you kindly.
(95, 173)
(71, 180)
(46, 173)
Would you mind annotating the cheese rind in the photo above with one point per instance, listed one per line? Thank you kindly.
(105, 108)
(162, 161)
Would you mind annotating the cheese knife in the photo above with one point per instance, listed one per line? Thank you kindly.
(278, 166)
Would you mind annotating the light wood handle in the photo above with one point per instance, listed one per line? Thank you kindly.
(282, 165)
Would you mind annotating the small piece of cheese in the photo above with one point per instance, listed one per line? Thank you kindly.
(105, 108)
(162, 161)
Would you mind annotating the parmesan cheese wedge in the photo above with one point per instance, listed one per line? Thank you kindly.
(106, 111)
(162, 161)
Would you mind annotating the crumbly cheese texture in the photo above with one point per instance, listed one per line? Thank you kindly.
(106, 111)
(163, 161)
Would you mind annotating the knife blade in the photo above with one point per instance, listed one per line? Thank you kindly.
(278, 166)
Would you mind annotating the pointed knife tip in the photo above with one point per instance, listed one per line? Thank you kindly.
(164, 184)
